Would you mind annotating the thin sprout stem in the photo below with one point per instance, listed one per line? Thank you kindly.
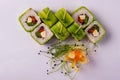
(67, 72)
(55, 44)
(57, 59)
(52, 59)
(51, 62)
(74, 76)
(63, 63)
(46, 56)
(44, 51)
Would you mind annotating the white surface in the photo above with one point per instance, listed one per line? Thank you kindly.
(18, 51)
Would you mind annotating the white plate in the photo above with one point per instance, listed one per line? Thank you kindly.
(18, 51)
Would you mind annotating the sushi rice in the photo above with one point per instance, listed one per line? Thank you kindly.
(83, 10)
(25, 15)
(102, 32)
(47, 37)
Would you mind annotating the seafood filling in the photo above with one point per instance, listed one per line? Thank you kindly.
(41, 33)
(83, 19)
(94, 31)
(31, 21)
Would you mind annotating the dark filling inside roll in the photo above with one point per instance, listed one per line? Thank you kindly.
(41, 33)
(94, 30)
(31, 21)
(83, 19)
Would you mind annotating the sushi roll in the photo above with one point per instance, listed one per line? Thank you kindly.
(60, 31)
(29, 20)
(83, 16)
(64, 17)
(95, 31)
(76, 31)
(42, 34)
(48, 17)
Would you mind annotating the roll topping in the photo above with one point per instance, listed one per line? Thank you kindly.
(31, 21)
(94, 30)
(83, 19)
(41, 33)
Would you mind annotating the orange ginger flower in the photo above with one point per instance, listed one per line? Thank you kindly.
(76, 56)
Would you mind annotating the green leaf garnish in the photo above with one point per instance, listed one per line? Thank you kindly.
(96, 27)
(38, 34)
(61, 50)
(30, 23)
(86, 19)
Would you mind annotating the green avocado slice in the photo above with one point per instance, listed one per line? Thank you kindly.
(64, 17)
(76, 31)
(38, 34)
(60, 31)
(48, 17)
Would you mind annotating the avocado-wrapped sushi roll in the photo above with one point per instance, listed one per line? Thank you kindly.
(60, 31)
(29, 20)
(76, 31)
(64, 17)
(95, 31)
(83, 16)
(48, 17)
(42, 34)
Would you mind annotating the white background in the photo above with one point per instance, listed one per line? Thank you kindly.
(18, 51)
